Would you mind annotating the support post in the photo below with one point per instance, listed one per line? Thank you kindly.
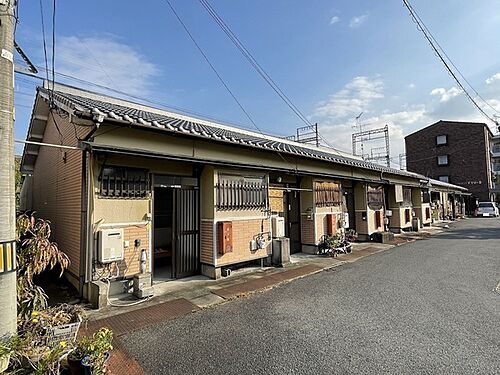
(8, 308)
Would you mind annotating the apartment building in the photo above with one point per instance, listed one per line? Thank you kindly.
(455, 152)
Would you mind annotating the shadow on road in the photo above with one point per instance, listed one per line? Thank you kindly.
(472, 234)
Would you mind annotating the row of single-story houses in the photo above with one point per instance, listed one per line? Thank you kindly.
(125, 184)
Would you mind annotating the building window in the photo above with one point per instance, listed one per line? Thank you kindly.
(375, 197)
(441, 140)
(123, 182)
(406, 196)
(242, 192)
(442, 160)
(444, 178)
(327, 194)
(426, 197)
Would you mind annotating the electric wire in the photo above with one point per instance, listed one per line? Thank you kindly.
(451, 61)
(184, 26)
(44, 41)
(415, 18)
(251, 59)
(53, 44)
(258, 68)
(142, 99)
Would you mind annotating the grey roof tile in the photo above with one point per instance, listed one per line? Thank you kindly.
(169, 122)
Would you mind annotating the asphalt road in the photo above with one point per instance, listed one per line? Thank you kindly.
(425, 307)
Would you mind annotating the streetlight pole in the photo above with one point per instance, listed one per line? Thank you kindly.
(8, 307)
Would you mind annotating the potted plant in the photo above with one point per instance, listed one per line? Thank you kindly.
(53, 325)
(91, 354)
(329, 244)
(351, 236)
(6, 349)
(35, 253)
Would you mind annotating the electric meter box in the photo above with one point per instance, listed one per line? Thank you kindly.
(110, 245)
(278, 226)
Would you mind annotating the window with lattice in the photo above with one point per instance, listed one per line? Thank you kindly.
(235, 192)
(327, 194)
(123, 182)
(406, 196)
(375, 197)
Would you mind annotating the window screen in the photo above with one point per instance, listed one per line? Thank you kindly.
(444, 178)
(123, 182)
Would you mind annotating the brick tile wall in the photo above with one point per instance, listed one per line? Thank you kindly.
(207, 245)
(243, 232)
(130, 265)
(307, 230)
(468, 150)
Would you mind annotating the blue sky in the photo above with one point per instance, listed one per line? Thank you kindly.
(335, 59)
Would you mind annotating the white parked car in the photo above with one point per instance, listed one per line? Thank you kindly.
(487, 209)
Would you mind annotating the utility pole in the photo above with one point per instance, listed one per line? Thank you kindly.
(8, 300)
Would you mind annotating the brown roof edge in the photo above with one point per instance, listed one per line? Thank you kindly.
(451, 121)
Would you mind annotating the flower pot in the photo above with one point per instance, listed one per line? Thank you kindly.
(4, 362)
(87, 369)
(75, 366)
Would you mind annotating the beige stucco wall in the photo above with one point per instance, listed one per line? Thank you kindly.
(368, 226)
(398, 219)
(321, 213)
(246, 224)
(237, 154)
(420, 207)
(132, 214)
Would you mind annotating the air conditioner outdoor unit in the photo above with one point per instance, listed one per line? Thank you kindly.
(278, 226)
(110, 247)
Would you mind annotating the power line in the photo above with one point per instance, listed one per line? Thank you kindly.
(210, 64)
(251, 59)
(142, 99)
(450, 60)
(53, 43)
(258, 68)
(44, 41)
(429, 38)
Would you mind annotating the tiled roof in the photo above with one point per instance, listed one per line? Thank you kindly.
(109, 108)
(447, 185)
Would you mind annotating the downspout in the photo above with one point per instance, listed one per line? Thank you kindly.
(87, 239)
(83, 224)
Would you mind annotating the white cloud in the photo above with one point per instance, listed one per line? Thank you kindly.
(494, 103)
(106, 61)
(493, 78)
(357, 21)
(446, 95)
(353, 98)
(334, 20)
(411, 86)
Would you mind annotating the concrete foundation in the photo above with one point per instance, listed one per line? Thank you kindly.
(211, 271)
(310, 249)
(97, 294)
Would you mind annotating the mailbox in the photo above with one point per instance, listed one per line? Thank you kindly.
(225, 237)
